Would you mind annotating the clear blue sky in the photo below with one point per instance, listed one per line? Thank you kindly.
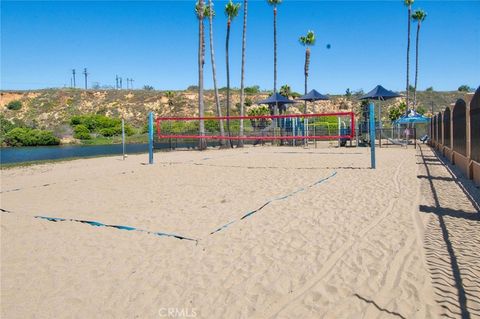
(155, 43)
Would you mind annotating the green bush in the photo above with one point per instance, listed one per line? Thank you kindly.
(258, 110)
(212, 125)
(116, 130)
(95, 123)
(464, 88)
(81, 132)
(110, 131)
(14, 105)
(252, 89)
(75, 120)
(5, 125)
(30, 137)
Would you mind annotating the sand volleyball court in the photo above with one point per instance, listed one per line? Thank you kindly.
(258, 232)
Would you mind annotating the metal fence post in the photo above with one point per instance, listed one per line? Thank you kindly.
(371, 107)
(150, 138)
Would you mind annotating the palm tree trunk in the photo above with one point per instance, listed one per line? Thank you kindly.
(201, 110)
(275, 56)
(416, 68)
(228, 82)
(242, 84)
(307, 63)
(408, 59)
(214, 73)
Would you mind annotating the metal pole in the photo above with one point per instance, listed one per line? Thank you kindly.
(123, 138)
(293, 129)
(380, 124)
(371, 107)
(339, 131)
(150, 138)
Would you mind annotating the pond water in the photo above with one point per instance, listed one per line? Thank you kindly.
(38, 153)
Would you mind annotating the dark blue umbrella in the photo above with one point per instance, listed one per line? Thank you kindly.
(276, 98)
(313, 95)
(379, 93)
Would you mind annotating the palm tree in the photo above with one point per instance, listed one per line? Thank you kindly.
(418, 16)
(307, 41)
(274, 3)
(408, 3)
(231, 11)
(200, 11)
(210, 13)
(285, 90)
(242, 84)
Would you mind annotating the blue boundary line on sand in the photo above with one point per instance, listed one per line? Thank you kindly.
(301, 189)
(99, 224)
(130, 228)
(121, 227)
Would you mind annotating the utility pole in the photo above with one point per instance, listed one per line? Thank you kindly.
(131, 84)
(121, 83)
(86, 75)
(73, 76)
(128, 82)
(116, 82)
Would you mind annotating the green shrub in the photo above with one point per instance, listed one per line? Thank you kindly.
(258, 110)
(14, 105)
(75, 120)
(5, 125)
(81, 132)
(110, 131)
(212, 125)
(464, 88)
(116, 130)
(30, 137)
(95, 122)
(252, 89)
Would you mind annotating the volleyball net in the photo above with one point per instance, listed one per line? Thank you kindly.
(291, 127)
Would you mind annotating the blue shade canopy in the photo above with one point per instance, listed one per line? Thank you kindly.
(276, 98)
(313, 95)
(380, 93)
(412, 117)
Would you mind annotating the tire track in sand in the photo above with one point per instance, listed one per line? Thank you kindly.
(403, 257)
(273, 310)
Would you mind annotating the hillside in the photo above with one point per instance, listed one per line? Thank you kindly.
(52, 108)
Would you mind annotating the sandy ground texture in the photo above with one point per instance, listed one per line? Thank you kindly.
(276, 232)
(452, 236)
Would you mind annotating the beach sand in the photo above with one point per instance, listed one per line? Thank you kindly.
(331, 239)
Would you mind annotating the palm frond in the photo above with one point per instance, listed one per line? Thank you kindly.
(307, 40)
(274, 2)
(231, 9)
(419, 15)
(197, 10)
